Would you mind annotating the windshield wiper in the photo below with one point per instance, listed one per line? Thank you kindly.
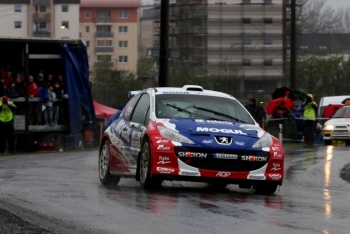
(179, 108)
(218, 113)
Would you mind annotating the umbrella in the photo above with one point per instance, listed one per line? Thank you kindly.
(301, 94)
(330, 110)
(272, 104)
(280, 92)
(345, 100)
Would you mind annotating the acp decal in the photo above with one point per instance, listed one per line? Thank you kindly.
(220, 130)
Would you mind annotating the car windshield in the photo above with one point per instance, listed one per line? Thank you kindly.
(200, 107)
(343, 112)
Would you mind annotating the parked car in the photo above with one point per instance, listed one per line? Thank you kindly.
(338, 127)
(190, 134)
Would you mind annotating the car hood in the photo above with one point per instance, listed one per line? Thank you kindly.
(337, 121)
(215, 133)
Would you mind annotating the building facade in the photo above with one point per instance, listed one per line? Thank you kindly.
(39, 18)
(245, 35)
(109, 28)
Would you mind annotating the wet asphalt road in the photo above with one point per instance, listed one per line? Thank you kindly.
(61, 193)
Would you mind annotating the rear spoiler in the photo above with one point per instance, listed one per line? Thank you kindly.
(133, 93)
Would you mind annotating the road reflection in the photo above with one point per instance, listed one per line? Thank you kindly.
(327, 179)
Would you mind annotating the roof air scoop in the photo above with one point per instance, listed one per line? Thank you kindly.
(193, 88)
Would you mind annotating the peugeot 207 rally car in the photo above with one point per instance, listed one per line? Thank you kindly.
(190, 134)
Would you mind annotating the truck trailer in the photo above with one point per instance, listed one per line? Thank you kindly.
(31, 56)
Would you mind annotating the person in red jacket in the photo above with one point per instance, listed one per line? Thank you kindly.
(33, 91)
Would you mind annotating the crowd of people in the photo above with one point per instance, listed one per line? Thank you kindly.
(50, 89)
(298, 123)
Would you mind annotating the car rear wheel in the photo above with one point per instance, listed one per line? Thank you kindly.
(217, 185)
(103, 167)
(265, 188)
(145, 164)
(327, 142)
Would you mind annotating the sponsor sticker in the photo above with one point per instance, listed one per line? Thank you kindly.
(189, 173)
(275, 176)
(256, 177)
(223, 174)
(277, 155)
(240, 143)
(254, 158)
(220, 130)
(163, 160)
(276, 148)
(118, 155)
(162, 141)
(249, 127)
(192, 155)
(225, 156)
(165, 170)
(207, 141)
(162, 147)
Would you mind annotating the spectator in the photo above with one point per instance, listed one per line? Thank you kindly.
(41, 81)
(309, 116)
(280, 111)
(318, 135)
(11, 90)
(40, 105)
(58, 104)
(7, 130)
(33, 91)
(48, 114)
(49, 80)
(2, 86)
(8, 78)
(62, 83)
(297, 102)
(253, 109)
(262, 114)
(298, 117)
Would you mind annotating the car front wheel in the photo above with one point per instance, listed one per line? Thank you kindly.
(145, 164)
(103, 167)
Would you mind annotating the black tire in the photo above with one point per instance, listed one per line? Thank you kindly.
(265, 188)
(347, 142)
(103, 166)
(217, 185)
(327, 142)
(145, 164)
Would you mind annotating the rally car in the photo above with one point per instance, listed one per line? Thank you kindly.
(338, 127)
(190, 134)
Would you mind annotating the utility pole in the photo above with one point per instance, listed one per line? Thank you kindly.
(163, 79)
(293, 58)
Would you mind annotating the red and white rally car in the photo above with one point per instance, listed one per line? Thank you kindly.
(190, 134)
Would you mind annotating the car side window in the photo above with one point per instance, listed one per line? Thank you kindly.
(128, 109)
(141, 110)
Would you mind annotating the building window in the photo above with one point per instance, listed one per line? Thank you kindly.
(322, 47)
(123, 14)
(123, 59)
(123, 29)
(18, 8)
(42, 25)
(104, 43)
(268, 21)
(123, 44)
(246, 20)
(87, 14)
(65, 8)
(268, 41)
(87, 29)
(267, 62)
(268, 1)
(18, 24)
(246, 62)
(40, 8)
(64, 24)
(246, 1)
(247, 42)
(105, 57)
(87, 43)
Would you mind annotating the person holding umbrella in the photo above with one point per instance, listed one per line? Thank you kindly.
(309, 117)
(253, 109)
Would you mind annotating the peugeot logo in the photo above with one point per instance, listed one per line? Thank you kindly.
(223, 140)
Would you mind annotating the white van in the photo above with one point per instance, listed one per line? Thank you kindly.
(325, 101)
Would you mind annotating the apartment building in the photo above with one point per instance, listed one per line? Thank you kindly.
(109, 28)
(39, 18)
(246, 35)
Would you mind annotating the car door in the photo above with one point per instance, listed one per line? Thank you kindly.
(138, 121)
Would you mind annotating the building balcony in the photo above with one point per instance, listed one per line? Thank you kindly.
(41, 33)
(104, 64)
(104, 49)
(41, 15)
(104, 20)
(104, 34)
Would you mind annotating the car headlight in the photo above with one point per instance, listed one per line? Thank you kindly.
(173, 135)
(264, 141)
(329, 127)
